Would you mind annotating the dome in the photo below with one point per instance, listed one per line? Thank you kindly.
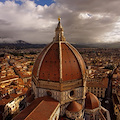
(91, 101)
(59, 61)
(74, 107)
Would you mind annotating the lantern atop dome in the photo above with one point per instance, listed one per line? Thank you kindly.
(59, 34)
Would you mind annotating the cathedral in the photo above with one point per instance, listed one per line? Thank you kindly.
(59, 85)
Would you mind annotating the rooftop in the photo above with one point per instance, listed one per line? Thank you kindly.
(39, 107)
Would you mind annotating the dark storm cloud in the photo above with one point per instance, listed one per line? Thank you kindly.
(94, 6)
(3, 22)
(84, 21)
(102, 15)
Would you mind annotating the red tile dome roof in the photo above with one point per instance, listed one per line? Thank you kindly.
(91, 101)
(59, 61)
(74, 107)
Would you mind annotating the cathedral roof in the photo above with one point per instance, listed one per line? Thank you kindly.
(59, 61)
(40, 108)
(74, 107)
(43, 111)
(91, 101)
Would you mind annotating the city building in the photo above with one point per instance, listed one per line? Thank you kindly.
(12, 93)
(116, 92)
(98, 88)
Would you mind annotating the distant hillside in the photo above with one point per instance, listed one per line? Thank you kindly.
(99, 45)
(20, 44)
(109, 45)
(114, 45)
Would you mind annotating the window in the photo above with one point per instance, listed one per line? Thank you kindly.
(49, 93)
(72, 93)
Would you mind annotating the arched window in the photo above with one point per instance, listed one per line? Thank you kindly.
(72, 93)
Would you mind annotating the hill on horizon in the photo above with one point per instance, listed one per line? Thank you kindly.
(21, 44)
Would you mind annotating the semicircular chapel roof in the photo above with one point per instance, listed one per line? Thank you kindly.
(91, 101)
(74, 107)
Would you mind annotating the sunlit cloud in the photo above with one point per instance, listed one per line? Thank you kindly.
(83, 21)
(114, 34)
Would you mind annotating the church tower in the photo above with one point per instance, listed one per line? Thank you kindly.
(60, 72)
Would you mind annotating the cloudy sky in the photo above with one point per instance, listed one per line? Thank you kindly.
(84, 21)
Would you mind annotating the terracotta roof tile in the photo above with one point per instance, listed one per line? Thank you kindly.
(74, 107)
(91, 101)
(102, 84)
(5, 101)
(31, 107)
(43, 111)
(73, 65)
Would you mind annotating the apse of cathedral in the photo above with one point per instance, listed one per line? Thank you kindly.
(59, 85)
